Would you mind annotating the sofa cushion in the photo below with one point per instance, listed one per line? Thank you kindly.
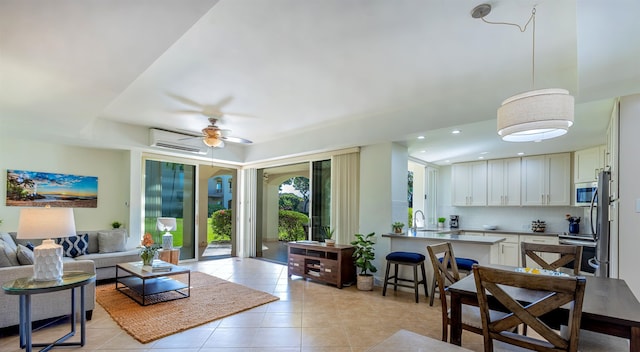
(112, 241)
(103, 261)
(74, 246)
(93, 242)
(25, 255)
(9, 240)
(8, 256)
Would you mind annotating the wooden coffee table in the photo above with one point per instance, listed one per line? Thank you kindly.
(141, 284)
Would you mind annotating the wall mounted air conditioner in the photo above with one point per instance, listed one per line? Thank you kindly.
(176, 141)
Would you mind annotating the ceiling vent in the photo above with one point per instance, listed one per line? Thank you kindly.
(176, 141)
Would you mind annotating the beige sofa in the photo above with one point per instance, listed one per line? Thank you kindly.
(104, 249)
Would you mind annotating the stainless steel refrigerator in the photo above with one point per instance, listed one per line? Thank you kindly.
(600, 227)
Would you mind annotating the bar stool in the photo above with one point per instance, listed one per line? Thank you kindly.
(464, 266)
(410, 259)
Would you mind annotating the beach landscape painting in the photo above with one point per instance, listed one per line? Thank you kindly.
(39, 189)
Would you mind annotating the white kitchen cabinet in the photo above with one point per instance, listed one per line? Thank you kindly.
(469, 184)
(510, 250)
(587, 163)
(548, 257)
(546, 180)
(503, 182)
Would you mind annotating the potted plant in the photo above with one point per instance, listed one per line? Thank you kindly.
(397, 227)
(364, 255)
(441, 221)
(116, 224)
(327, 232)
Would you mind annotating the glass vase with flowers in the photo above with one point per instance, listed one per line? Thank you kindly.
(149, 250)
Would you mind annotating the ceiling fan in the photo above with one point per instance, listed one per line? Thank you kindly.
(214, 136)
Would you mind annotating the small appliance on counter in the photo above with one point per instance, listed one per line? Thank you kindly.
(453, 221)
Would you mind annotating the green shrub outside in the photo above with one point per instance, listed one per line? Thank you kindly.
(290, 225)
(221, 225)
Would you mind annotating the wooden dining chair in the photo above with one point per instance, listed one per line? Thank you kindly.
(568, 254)
(552, 292)
(445, 270)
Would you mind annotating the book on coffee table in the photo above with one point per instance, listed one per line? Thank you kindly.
(158, 265)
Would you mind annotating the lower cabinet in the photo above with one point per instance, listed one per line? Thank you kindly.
(510, 250)
(329, 264)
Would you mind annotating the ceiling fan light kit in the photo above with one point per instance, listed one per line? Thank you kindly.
(537, 114)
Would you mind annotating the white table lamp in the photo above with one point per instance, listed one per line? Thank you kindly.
(46, 223)
(166, 224)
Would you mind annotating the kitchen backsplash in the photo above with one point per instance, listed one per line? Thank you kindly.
(518, 218)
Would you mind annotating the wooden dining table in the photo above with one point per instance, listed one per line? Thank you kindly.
(609, 307)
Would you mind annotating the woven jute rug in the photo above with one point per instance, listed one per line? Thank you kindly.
(211, 298)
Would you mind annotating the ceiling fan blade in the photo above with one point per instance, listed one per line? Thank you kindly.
(236, 140)
(186, 101)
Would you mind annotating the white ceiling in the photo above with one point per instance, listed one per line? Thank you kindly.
(300, 76)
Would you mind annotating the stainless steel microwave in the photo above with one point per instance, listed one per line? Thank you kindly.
(583, 193)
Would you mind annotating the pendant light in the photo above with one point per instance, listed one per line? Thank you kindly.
(537, 114)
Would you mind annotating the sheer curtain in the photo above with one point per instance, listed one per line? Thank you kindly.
(345, 196)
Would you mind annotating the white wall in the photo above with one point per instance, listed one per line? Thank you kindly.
(383, 194)
(110, 166)
(629, 192)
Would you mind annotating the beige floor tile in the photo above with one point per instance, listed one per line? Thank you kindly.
(309, 317)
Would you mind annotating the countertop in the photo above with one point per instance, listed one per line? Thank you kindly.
(497, 232)
(452, 236)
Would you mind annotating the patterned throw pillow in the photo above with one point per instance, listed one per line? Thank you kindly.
(75, 245)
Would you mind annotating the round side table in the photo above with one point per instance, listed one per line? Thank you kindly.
(27, 286)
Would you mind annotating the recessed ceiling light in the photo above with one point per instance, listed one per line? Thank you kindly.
(521, 153)
(481, 157)
(484, 153)
(455, 132)
(420, 137)
(423, 151)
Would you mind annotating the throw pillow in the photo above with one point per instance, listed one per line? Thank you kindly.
(25, 255)
(112, 241)
(8, 257)
(8, 240)
(74, 246)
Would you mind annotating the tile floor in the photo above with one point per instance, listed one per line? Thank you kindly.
(309, 316)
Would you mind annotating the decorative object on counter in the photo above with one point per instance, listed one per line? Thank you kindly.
(454, 221)
(574, 223)
(116, 225)
(397, 227)
(538, 226)
(149, 250)
(490, 227)
(327, 232)
(441, 221)
(364, 255)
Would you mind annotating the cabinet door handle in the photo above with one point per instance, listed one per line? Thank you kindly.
(548, 199)
(542, 199)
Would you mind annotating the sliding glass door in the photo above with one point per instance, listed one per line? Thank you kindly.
(169, 191)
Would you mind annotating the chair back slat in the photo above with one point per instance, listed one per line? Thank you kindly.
(568, 254)
(551, 292)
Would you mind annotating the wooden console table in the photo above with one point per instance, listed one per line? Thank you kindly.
(317, 261)
(169, 255)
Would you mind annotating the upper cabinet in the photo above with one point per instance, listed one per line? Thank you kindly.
(503, 185)
(546, 180)
(588, 163)
(469, 183)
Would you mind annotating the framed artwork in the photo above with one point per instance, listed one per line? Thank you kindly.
(39, 189)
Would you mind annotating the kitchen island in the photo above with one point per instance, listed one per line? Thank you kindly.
(484, 249)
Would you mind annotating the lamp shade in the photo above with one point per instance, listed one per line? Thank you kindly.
(166, 224)
(536, 115)
(39, 223)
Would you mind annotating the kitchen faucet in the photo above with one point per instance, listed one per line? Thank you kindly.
(415, 215)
